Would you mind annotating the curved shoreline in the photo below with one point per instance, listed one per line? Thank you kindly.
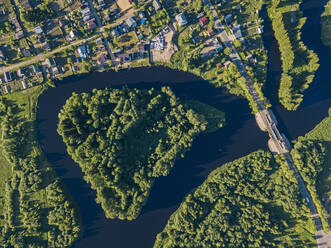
(167, 192)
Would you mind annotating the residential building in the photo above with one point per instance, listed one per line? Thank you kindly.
(181, 19)
(156, 5)
(203, 21)
(82, 51)
(130, 22)
(7, 77)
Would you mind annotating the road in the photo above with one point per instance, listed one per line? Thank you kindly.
(279, 141)
(102, 31)
(43, 56)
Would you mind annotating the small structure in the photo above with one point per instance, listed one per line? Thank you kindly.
(19, 35)
(38, 30)
(24, 86)
(51, 62)
(85, 11)
(35, 69)
(7, 77)
(156, 5)
(203, 21)
(82, 52)
(6, 87)
(91, 24)
(181, 19)
(228, 19)
(26, 5)
(45, 46)
(102, 59)
(124, 57)
(20, 72)
(130, 22)
(72, 35)
(237, 31)
(227, 64)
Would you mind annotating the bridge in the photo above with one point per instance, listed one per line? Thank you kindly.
(266, 120)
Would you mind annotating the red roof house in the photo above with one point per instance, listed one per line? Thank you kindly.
(203, 21)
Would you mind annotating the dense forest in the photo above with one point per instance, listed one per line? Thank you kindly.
(312, 156)
(299, 64)
(35, 210)
(123, 139)
(253, 201)
(326, 25)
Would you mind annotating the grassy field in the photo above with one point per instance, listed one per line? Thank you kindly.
(126, 39)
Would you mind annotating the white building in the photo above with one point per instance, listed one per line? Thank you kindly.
(181, 19)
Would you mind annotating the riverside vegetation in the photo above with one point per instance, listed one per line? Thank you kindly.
(312, 156)
(35, 210)
(253, 201)
(124, 139)
(299, 64)
(326, 25)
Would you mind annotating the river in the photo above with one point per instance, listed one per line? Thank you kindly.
(238, 138)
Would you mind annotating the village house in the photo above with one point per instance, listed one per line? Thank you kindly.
(181, 19)
(203, 21)
(156, 5)
(7, 77)
(130, 22)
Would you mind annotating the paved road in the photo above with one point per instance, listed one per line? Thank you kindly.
(269, 122)
(43, 56)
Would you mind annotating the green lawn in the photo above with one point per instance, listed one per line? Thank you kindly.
(126, 39)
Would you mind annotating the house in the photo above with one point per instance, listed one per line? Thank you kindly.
(203, 21)
(102, 59)
(130, 22)
(237, 31)
(156, 5)
(26, 5)
(7, 89)
(51, 62)
(99, 41)
(101, 3)
(82, 51)
(7, 77)
(38, 30)
(211, 32)
(35, 69)
(115, 32)
(72, 34)
(181, 19)
(91, 24)
(141, 15)
(25, 52)
(2, 57)
(23, 84)
(228, 19)
(227, 64)
(19, 35)
(85, 11)
(20, 72)
(124, 57)
(45, 46)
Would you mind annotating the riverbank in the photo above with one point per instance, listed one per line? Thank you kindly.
(207, 152)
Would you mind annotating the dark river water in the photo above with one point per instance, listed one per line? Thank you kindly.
(238, 138)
